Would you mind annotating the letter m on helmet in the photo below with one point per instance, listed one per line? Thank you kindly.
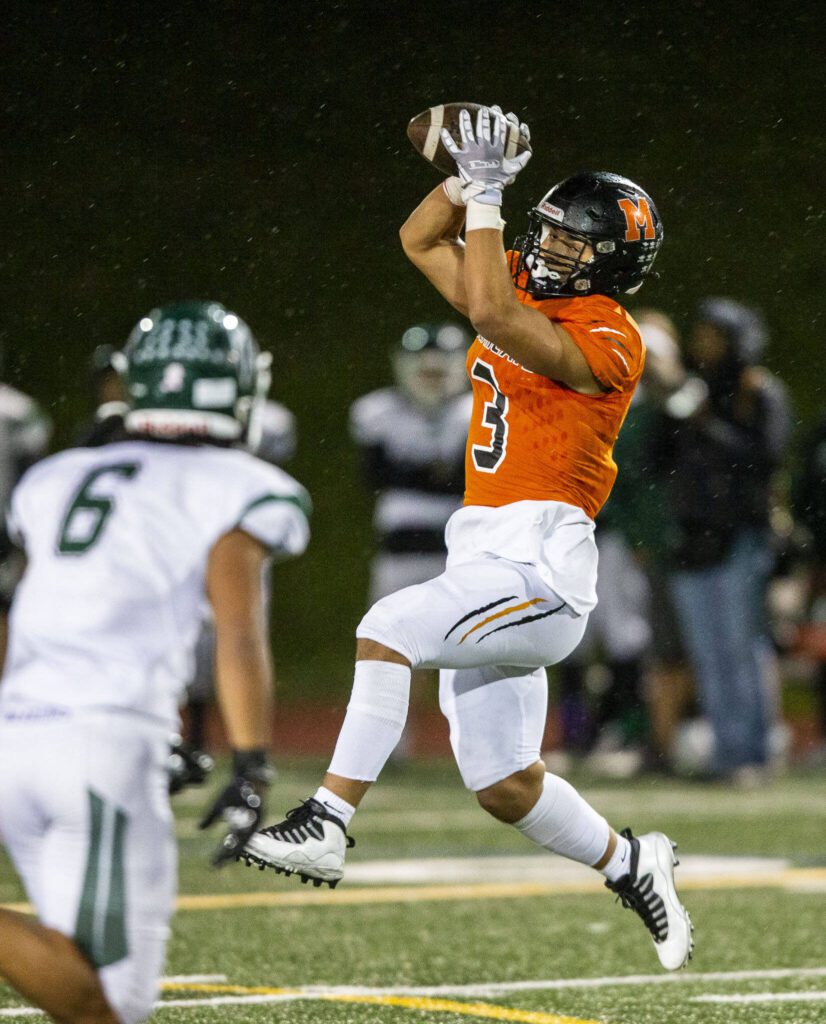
(637, 216)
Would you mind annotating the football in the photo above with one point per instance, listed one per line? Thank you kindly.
(425, 128)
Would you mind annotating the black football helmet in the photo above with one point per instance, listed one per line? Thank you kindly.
(607, 212)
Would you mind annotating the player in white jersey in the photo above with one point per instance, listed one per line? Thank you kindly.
(25, 432)
(411, 441)
(126, 545)
(275, 442)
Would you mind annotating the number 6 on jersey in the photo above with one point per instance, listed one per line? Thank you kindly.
(487, 458)
(88, 510)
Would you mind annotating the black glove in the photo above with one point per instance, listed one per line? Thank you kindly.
(186, 766)
(240, 803)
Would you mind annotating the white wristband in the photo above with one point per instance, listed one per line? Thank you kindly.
(483, 215)
(453, 190)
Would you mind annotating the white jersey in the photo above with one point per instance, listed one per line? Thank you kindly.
(414, 449)
(117, 540)
(24, 437)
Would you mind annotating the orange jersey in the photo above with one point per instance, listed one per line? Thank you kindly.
(533, 438)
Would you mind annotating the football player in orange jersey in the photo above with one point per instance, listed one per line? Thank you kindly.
(553, 369)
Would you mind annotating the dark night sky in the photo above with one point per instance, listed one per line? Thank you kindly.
(255, 153)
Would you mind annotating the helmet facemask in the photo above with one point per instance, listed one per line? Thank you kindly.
(563, 269)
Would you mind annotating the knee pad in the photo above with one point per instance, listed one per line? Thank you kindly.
(374, 721)
(381, 690)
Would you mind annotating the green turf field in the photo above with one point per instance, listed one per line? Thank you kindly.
(448, 916)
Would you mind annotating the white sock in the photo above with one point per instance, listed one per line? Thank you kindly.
(374, 721)
(563, 822)
(340, 808)
(620, 862)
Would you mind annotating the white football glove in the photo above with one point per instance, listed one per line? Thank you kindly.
(523, 128)
(480, 160)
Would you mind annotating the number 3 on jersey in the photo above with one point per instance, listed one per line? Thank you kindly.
(487, 458)
(89, 510)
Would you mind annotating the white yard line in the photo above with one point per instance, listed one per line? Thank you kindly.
(503, 987)
(286, 997)
(765, 997)
(201, 979)
(535, 868)
(675, 805)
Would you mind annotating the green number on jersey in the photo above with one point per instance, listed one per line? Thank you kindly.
(88, 512)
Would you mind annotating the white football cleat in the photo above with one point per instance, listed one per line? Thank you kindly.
(310, 842)
(648, 889)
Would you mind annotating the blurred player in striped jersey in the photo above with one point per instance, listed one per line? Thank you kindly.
(411, 442)
(25, 432)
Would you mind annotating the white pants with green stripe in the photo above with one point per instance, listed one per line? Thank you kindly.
(85, 816)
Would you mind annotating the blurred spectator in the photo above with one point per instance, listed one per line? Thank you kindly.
(668, 685)
(25, 432)
(633, 625)
(411, 440)
(809, 504)
(732, 425)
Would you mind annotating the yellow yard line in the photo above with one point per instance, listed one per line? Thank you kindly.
(384, 894)
(478, 891)
(225, 989)
(790, 877)
(488, 1011)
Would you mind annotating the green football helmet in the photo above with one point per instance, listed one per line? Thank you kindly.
(429, 363)
(194, 369)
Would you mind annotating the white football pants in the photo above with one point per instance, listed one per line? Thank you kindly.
(85, 816)
(490, 625)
